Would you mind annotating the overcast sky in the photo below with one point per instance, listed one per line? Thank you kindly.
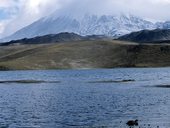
(15, 14)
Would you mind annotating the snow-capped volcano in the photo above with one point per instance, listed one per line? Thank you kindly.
(86, 25)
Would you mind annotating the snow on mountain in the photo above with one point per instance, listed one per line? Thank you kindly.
(166, 25)
(108, 25)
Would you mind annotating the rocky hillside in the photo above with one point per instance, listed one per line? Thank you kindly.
(148, 36)
(54, 38)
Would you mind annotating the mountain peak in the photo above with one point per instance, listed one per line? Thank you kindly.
(89, 24)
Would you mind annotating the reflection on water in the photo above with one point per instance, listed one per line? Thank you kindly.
(85, 98)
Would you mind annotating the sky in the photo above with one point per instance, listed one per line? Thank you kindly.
(16, 14)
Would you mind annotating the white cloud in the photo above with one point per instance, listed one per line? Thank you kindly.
(6, 3)
(28, 11)
(1, 28)
(161, 1)
(154, 9)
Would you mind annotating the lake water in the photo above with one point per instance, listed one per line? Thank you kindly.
(105, 98)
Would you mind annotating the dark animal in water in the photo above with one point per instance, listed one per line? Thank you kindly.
(132, 123)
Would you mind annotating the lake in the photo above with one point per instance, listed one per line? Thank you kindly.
(99, 98)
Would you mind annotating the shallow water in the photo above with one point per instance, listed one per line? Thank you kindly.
(105, 98)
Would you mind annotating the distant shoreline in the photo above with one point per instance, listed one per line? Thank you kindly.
(83, 69)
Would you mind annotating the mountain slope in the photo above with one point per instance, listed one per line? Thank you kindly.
(84, 54)
(52, 38)
(158, 35)
(87, 25)
(55, 38)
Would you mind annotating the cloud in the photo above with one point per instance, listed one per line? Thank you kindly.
(1, 28)
(149, 9)
(23, 12)
(6, 3)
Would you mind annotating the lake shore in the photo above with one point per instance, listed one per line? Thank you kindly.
(84, 55)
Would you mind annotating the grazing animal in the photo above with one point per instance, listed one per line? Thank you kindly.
(132, 123)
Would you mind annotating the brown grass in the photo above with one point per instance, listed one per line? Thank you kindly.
(84, 54)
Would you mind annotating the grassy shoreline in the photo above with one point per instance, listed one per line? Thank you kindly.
(84, 55)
